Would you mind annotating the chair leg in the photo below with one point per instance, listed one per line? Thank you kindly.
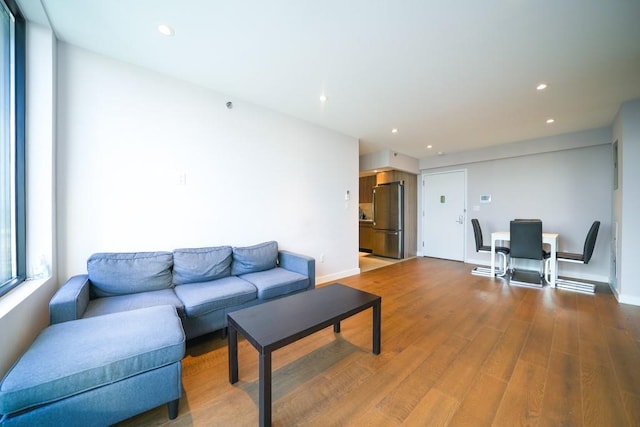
(547, 270)
(576, 286)
(504, 265)
(481, 271)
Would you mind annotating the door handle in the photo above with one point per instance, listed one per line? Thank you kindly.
(460, 219)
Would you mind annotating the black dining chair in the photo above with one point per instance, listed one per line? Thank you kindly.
(526, 243)
(583, 258)
(481, 248)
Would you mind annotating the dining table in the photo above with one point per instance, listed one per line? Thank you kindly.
(549, 238)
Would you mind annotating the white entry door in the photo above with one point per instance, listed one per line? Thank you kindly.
(444, 214)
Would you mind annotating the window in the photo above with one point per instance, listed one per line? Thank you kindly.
(12, 160)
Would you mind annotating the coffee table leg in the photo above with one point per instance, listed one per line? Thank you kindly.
(232, 337)
(376, 328)
(265, 389)
(336, 327)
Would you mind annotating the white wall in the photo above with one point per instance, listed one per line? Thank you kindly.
(567, 189)
(126, 138)
(626, 205)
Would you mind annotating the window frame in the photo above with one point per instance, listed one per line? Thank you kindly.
(19, 81)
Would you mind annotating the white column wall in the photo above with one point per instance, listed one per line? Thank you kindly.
(627, 203)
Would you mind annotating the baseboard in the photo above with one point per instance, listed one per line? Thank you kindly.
(627, 299)
(336, 276)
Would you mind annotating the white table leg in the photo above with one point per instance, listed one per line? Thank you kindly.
(493, 256)
(553, 267)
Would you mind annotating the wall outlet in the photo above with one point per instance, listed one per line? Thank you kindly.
(321, 258)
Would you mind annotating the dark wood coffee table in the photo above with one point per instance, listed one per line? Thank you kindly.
(273, 325)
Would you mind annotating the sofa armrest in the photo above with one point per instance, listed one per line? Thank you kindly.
(71, 300)
(300, 264)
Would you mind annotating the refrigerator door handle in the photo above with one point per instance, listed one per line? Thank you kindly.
(373, 207)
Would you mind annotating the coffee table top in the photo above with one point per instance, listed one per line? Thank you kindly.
(274, 324)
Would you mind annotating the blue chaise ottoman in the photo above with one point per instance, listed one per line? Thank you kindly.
(97, 371)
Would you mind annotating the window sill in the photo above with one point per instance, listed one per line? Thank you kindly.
(19, 294)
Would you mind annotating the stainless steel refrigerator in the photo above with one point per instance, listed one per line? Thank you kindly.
(388, 220)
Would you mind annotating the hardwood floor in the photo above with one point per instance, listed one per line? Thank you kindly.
(457, 350)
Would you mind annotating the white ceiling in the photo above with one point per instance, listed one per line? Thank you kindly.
(458, 75)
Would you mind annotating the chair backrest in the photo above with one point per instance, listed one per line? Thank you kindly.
(526, 239)
(590, 241)
(477, 232)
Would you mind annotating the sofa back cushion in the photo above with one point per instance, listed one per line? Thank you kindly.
(201, 264)
(128, 273)
(251, 259)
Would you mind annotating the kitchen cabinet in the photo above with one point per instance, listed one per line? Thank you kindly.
(366, 236)
(390, 176)
(366, 188)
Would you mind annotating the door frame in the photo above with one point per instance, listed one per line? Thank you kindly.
(422, 204)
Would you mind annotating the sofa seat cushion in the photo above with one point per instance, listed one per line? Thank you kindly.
(201, 264)
(106, 305)
(79, 355)
(204, 297)
(276, 282)
(126, 273)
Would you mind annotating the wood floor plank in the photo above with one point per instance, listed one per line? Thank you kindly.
(368, 393)
(399, 403)
(457, 350)
(610, 312)
(632, 407)
(566, 333)
(481, 403)
(504, 356)
(562, 404)
(460, 375)
(601, 396)
(435, 409)
(537, 346)
(625, 356)
(528, 306)
(522, 401)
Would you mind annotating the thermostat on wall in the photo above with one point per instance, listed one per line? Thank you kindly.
(485, 198)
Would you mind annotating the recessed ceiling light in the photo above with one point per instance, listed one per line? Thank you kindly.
(429, 147)
(323, 98)
(394, 130)
(542, 86)
(549, 121)
(166, 30)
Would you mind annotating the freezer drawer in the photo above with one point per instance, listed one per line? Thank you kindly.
(388, 243)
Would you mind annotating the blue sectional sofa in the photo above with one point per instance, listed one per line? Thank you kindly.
(117, 334)
(204, 284)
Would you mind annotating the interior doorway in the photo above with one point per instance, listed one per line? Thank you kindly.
(444, 214)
